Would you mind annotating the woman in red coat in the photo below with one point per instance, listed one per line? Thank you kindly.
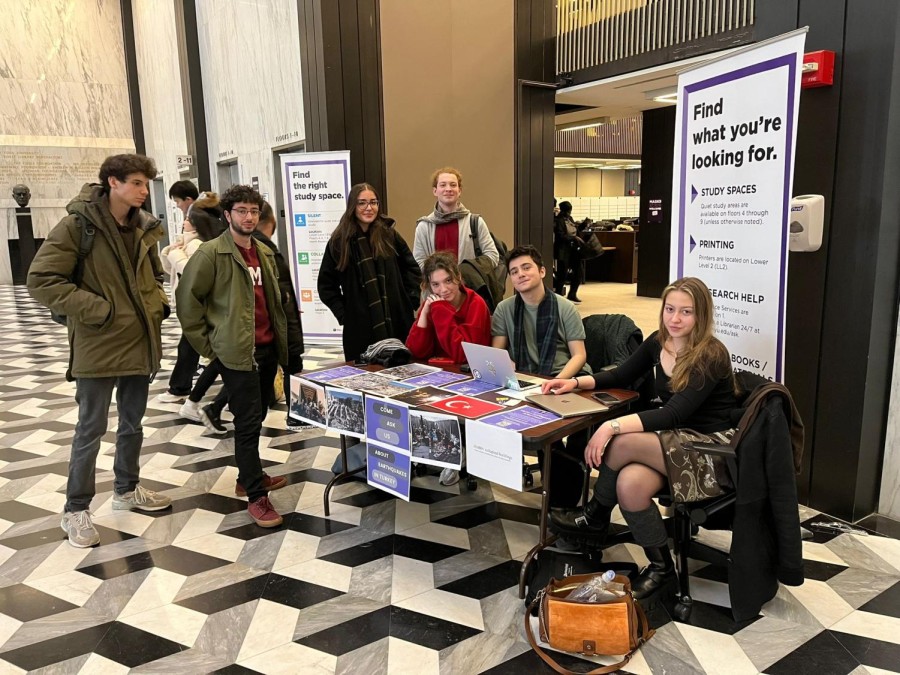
(450, 314)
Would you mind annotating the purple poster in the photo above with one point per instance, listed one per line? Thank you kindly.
(387, 469)
(521, 418)
(436, 379)
(471, 387)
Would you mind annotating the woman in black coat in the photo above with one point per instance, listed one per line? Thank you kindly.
(369, 278)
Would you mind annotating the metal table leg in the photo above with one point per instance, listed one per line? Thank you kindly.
(543, 540)
(344, 474)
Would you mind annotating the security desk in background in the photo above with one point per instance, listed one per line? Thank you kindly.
(619, 265)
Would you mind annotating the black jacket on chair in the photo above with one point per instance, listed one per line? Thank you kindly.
(766, 546)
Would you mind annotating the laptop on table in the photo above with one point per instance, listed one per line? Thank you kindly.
(493, 366)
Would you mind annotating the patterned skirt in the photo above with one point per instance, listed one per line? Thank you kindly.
(694, 475)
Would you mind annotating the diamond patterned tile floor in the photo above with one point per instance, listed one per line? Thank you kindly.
(380, 586)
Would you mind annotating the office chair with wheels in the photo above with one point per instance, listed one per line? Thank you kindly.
(762, 511)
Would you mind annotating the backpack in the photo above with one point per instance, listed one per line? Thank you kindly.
(84, 247)
(497, 278)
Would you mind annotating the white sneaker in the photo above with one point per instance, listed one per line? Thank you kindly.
(80, 529)
(141, 500)
(166, 397)
(449, 477)
(190, 410)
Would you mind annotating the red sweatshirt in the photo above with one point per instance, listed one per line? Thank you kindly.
(449, 328)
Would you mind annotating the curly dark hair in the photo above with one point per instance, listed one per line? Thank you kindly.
(122, 166)
(240, 193)
(523, 250)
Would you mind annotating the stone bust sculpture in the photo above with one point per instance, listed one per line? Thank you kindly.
(21, 194)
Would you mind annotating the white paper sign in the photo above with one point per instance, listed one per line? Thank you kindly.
(494, 454)
(736, 128)
(315, 193)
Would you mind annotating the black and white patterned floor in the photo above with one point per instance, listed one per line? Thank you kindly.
(381, 586)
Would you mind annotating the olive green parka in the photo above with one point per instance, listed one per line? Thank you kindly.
(215, 303)
(115, 314)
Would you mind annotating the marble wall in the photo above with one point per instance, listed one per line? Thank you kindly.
(250, 58)
(889, 503)
(162, 109)
(63, 104)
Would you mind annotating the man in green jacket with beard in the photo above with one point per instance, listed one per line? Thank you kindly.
(114, 316)
(229, 306)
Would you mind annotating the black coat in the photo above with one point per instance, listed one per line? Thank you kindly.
(289, 303)
(343, 293)
(766, 546)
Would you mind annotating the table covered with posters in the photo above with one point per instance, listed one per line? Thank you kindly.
(413, 414)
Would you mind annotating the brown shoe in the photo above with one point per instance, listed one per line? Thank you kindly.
(269, 483)
(263, 513)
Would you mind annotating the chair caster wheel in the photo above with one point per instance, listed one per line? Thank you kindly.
(471, 484)
(529, 480)
(682, 609)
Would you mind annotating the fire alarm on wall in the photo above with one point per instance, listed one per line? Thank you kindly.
(818, 69)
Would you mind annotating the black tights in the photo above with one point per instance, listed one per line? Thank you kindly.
(638, 459)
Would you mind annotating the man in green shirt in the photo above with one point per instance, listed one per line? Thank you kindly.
(544, 335)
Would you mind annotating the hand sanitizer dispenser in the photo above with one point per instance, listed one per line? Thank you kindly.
(807, 219)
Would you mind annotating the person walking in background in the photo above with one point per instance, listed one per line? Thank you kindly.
(368, 278)
(114, 316)
(203, 225)
(567, 247)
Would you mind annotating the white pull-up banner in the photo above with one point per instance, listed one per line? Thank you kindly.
(315, 197)
(735, 129)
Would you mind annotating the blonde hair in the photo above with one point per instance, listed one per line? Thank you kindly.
(446, 169)
(704, 355)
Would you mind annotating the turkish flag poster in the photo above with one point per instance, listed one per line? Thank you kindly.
(466, 406)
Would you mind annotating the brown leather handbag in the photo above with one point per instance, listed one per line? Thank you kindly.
(611, 628)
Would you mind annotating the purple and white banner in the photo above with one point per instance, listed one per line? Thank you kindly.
(736, 126)
(315, 197)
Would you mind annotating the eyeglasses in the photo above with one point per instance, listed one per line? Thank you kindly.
(243, 213)
(363, 203)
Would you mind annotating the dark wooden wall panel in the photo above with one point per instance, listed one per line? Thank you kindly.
(814, 173)
(654, 239)
(859, 316)
(340, 54)
(131, 76)
(192, 91)
(535, 31)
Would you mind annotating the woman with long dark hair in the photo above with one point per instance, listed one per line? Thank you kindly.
(639, 453)
(368, 278)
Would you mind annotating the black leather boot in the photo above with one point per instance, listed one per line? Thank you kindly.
(591, 523)
(656, 575)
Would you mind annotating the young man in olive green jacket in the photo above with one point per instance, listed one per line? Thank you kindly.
(114, 320)
(229, 306)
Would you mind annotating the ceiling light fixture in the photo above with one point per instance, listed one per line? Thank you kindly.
(664, 95)
(583, 124)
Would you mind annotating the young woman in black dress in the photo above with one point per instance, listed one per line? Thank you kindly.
(636, 455)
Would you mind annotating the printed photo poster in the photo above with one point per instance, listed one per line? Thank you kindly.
(316, 185)
(387, 446)
(407, 371)
(345, 411)
(373, 384)
(307, 402)
(331, 374)
(422, 396)
(736, 127)
(494, 454)
(435, 439)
